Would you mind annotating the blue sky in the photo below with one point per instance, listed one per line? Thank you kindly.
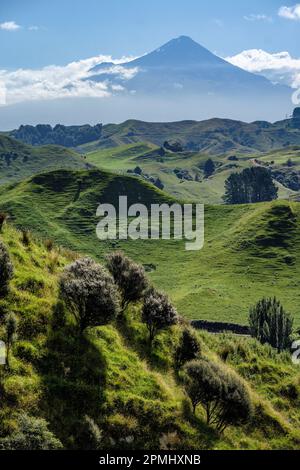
(61, 31)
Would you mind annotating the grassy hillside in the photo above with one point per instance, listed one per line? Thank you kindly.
(109, 374)
(19, 161)
(193, 186)
(214, 136)
(250, 251)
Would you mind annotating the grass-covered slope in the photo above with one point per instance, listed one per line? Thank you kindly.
(213, 136)
(182, 172)
(250, 251)
(110, 376)
(19, 161)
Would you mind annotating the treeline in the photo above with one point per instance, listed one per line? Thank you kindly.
(250, 186)
(68, 136)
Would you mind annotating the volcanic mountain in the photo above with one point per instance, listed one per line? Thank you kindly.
(184, 67)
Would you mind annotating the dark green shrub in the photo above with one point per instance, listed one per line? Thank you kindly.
(49, 244)
(209, 168)
(58, 315)
(90, 435)
(11, 326)
(89, 292)
(6, 269)
(32, 434)
(26, 351)
(223, 395)
(128, 276)
(269, 323)
(26, 237)
(3, 217)
(188, 348)
(157, 313)
(204, 384)
(236, 403)
(32, 284)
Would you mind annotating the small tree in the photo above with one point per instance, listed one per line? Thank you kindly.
(204, 385)
(188, 348)
(209, 168)
(89, 292)
(269, 323)
(11, 326)
(128, 276)
(6, 269)
(31, 434)
(237, 407)
(223, 395)
(157, 313)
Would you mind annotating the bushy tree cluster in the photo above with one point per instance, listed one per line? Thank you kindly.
(223, 395)
(31, 434)
(288, 178)
(250, 186)
(271, 324)
(128, 276)
(6, 269)
(157, 313)
(68, 136)
(187, 349)
(174, 146)
(209, 168)
(89, 292)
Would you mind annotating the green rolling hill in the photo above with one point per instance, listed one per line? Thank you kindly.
(181, 173)
(250, 251)
(214, 136)
(19, 161)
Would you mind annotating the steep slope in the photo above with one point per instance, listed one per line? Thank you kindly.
(109, 375)
(250, 251)
(19, 161)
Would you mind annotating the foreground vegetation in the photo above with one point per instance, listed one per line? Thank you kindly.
(250, 251)
(108, 386)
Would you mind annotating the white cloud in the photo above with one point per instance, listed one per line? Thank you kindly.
(258, 17)
(33, 28)
(279, 67)
(117, 71)
(290, 13)
(53, 82)
(9, 26)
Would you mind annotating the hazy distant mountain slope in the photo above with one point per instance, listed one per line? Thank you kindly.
(184, 66)
(214, 136)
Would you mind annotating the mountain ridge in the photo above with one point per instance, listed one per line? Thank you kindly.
(182, 64)
(213, 136)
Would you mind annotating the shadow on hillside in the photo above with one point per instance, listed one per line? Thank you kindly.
(74, 376)
(136, 338)
(207, 436)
